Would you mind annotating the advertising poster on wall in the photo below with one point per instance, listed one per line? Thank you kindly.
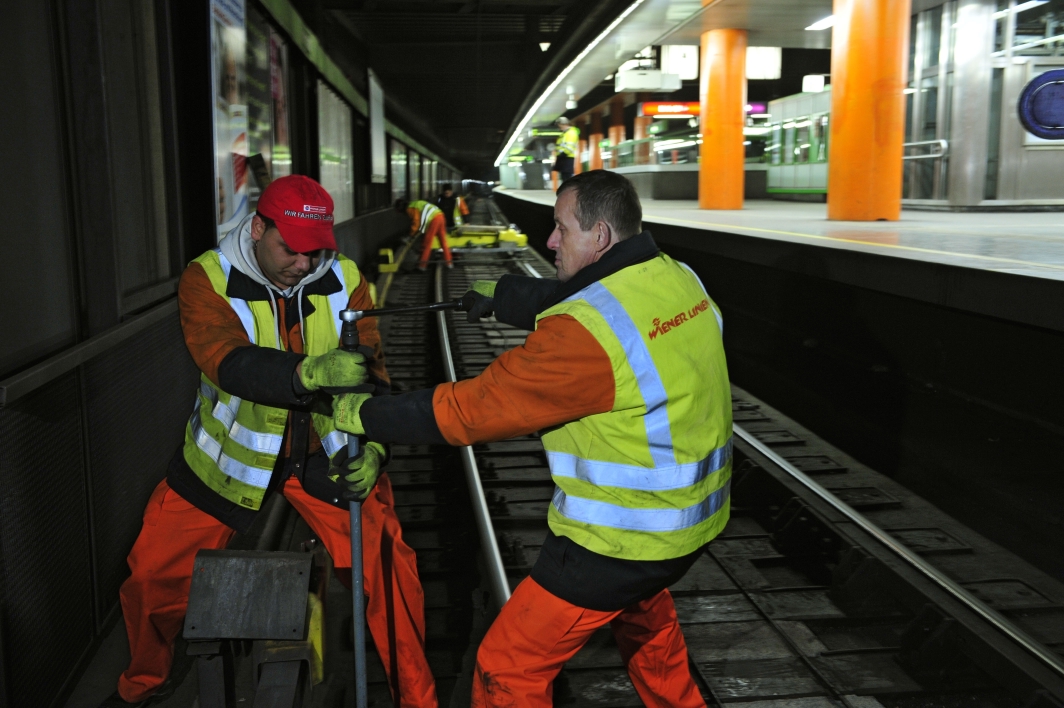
(282, 151)
(229, 84)
(377, 149)
(259, 103)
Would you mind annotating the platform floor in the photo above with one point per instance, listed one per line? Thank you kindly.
(1021, 243)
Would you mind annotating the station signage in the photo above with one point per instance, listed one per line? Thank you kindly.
(665, 109)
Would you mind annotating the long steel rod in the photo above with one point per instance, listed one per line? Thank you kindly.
(433, 307)
(1029, 643)
(500, 587)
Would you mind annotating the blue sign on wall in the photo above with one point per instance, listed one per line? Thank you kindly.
(1041, 105)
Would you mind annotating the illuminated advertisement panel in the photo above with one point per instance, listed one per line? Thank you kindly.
(229, 91)
(666, 109)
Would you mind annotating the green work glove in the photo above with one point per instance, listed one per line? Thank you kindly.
(334, 371)
(346, 407)
(484, 287)
(361, 473)
(483, 293)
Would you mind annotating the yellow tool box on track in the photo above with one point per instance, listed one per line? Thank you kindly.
(482, 236)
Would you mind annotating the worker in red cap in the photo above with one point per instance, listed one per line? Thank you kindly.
(260, 318)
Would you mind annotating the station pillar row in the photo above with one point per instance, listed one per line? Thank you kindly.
(869, 57)
(594, 157)
(723, 93)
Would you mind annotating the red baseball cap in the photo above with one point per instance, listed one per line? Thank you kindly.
(303, 212)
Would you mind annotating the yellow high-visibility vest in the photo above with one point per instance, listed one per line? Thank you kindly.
(232, 444)
(569, 141)
(650, 479)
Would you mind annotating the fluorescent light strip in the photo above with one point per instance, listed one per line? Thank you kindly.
(561, 77)
(826, 23)
(1018, 47)
(1019, 8)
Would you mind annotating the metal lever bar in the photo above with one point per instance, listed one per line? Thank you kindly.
(465, 303)
(349, 342)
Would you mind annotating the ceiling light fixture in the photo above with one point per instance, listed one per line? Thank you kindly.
(562, 76)
(826, 23)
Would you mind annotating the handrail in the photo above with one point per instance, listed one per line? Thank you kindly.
(942, 151)
(500, 586)
(15, 387)
(1003, 625)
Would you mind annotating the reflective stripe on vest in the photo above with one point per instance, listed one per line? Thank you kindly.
(334, 442)
(659, 435)
(240, 307)
(569, 142)
(663, 498)
(339, 299)
(599, 513)
(225, 413)
(254, 476)
(712, 305)
(429, 211)
(643, 479)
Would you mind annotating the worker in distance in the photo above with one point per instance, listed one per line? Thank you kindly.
(636, 421)
(453, 206)
(260, 316)
(566, 148)
(428, 221)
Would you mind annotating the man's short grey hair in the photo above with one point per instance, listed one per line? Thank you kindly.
(606, 196)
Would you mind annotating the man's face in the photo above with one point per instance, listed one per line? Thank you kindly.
(575, 249)
(280, 264)
(447, 193)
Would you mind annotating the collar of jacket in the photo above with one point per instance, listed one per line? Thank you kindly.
(626, 253)
(243, 287)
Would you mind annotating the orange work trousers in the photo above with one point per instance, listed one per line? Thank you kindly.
(537, 632)
(437, 228)
(155, 598)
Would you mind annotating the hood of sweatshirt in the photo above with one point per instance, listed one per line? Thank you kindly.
(239, 248)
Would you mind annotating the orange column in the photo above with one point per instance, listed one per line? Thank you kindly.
(616, 126)
(869, 55)
(723, 88)
(642, 151)
(594, 158)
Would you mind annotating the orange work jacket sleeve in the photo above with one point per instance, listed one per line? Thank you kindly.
(462, 207)
(560, 374)
(415, 220)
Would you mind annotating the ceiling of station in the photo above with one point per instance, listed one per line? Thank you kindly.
(466, 73)
(463, 67)
(771, 23)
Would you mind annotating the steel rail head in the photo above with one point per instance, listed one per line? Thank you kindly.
(991, 616)
(500, 586)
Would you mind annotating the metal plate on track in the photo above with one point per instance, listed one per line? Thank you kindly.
(777, 437)
(930, 541)
(816, 464)
(248, 595)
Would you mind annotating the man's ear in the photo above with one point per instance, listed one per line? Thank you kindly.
(258, 228)
(602, 235)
